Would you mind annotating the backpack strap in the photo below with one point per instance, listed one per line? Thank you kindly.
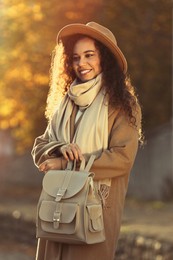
(72, 165)
(82, 165)
(62, 190)
(69, 165)
(90, 163)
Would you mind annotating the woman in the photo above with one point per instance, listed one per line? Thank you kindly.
(99, 114)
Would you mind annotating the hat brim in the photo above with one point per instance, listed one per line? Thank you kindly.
(73, 29)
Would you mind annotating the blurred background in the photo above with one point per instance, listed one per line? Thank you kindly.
(28, 34)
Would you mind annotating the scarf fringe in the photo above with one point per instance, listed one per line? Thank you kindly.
(104, 191)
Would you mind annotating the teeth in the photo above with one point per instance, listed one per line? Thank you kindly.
(84, 71)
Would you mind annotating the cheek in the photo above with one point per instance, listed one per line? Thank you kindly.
(99, 68)
(74, 66)
(98, 63)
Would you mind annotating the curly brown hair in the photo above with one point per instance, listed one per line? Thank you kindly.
(118, 86)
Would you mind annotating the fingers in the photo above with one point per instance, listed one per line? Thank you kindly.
(42, 167)
(71, 152)
(50, 164)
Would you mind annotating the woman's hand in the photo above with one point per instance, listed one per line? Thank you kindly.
(71, 152)
(50, 164)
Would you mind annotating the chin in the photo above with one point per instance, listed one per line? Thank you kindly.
(88, 79)
(83, 80)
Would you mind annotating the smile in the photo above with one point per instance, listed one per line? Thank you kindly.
(84, 72)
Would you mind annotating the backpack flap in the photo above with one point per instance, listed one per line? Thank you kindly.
(95, 218)
(64, 184)
(58, 216)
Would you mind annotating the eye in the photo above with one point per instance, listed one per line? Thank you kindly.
(89, 55)
(75, 58)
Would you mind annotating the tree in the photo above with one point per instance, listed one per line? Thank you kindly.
(143, 29)
(28, 33)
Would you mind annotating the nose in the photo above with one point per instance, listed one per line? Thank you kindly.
(82, 61)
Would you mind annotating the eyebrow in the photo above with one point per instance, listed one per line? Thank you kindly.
(85, 52)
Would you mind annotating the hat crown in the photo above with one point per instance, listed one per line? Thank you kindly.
(103, 30)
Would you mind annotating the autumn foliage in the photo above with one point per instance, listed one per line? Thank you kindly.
(28, 32)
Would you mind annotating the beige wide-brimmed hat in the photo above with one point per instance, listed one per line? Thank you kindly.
(97, 32)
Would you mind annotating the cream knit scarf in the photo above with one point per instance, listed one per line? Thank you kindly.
(92, 132)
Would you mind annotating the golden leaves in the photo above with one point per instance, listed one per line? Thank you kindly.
(22, 10)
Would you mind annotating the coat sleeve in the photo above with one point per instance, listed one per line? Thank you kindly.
(118, 159)
(45, 147)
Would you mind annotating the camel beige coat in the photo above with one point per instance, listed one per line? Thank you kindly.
(115, 163)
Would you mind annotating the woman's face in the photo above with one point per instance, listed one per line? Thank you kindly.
(86, 59)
